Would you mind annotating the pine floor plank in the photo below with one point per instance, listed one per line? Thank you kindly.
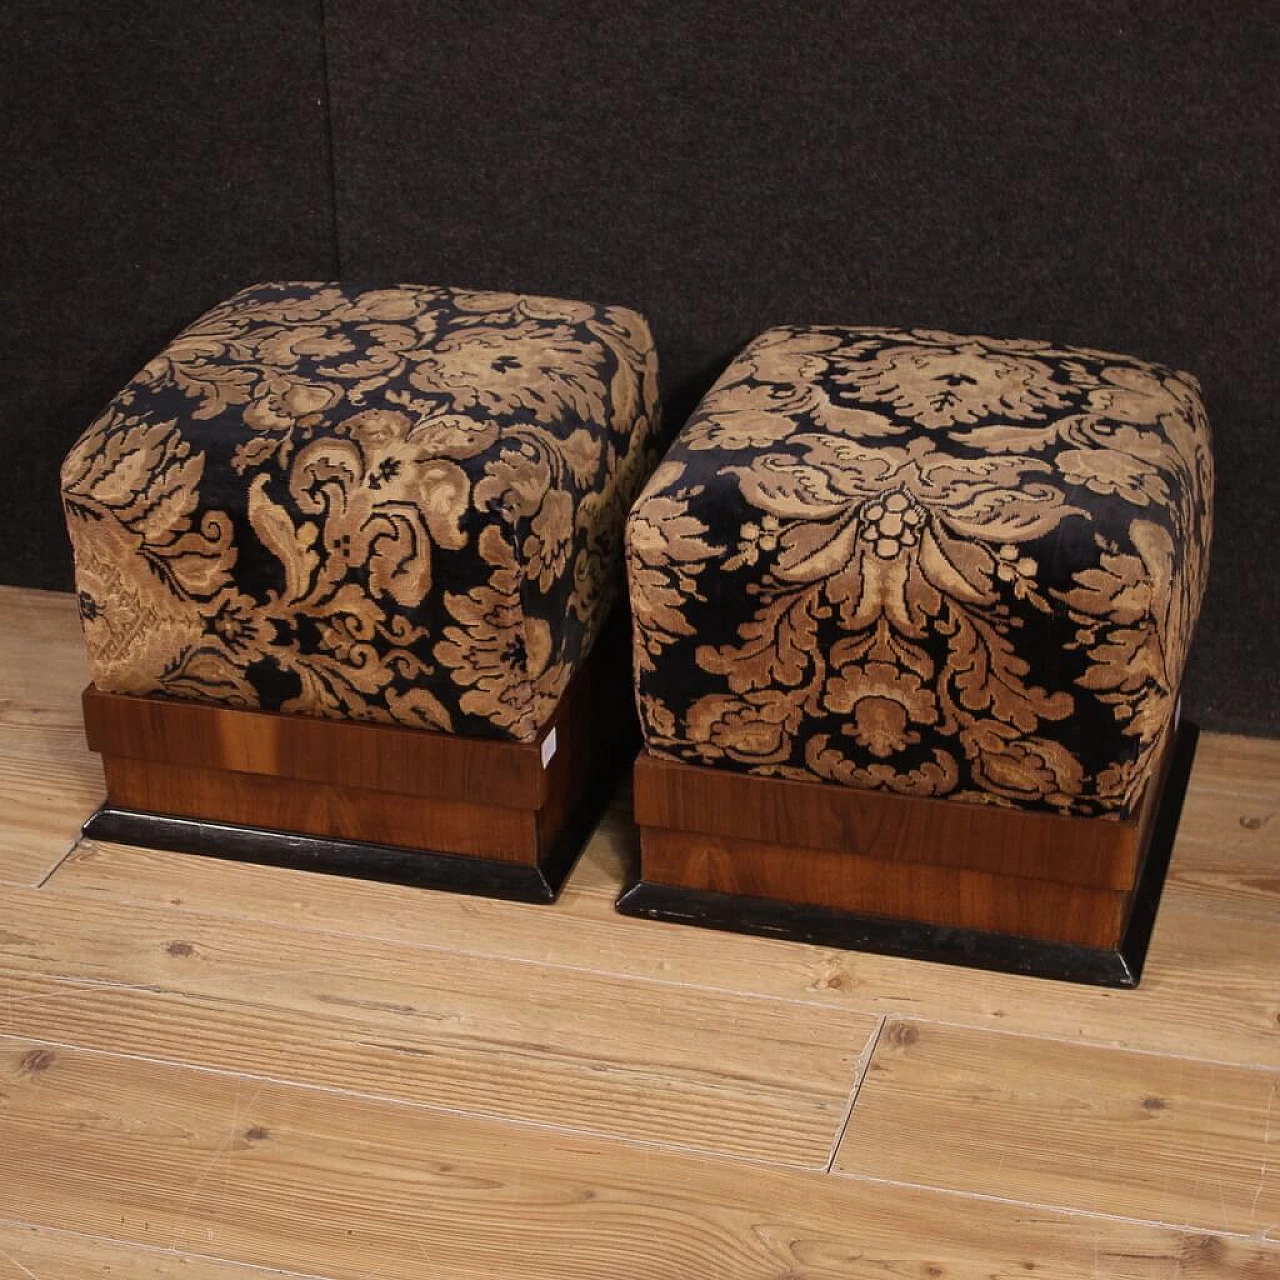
(1209, 990)
(1227, 858)
(37, 1253)
(1247, 823)
(717, 1072)
(1231, 763)
(49, 782)
(1099, 1130)
(273, 1175)
(1234, 881)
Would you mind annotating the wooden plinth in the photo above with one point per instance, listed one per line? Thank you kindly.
(374, 801)
(1014, 890)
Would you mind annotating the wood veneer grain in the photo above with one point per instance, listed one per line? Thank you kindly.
(380, 757)
(873, 886)
(324, 809)
(683, 797)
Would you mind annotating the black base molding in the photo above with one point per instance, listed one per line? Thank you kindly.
(797, 922)
(419, 868)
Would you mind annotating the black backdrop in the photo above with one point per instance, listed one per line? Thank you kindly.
(1099, 173)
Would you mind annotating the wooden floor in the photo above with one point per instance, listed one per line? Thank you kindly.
(221, 1072)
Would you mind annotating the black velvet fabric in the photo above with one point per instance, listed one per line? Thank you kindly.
(1101, 173)
(925, 563)
(392, 504)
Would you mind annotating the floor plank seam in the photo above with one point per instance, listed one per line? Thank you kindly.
(61, 861)
(541, 1126)
(159, 1250)
(1069, 1211)
(861, 1067)
(26, 1271)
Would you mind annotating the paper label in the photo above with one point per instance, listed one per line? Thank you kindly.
(548, 748)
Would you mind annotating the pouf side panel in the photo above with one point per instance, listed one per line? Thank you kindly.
(367, 428)
(255, 394)
(993, 522)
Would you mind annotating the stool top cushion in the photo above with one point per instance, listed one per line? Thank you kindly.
(925, 563)
(395, 504)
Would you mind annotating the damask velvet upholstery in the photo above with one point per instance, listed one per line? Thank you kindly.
(925, 563)
(396, 504)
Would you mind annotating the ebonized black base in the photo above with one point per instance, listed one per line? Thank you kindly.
(1065, 962)
(418, 868)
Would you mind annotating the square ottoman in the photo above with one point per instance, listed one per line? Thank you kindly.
(911, 611)
(346, 560)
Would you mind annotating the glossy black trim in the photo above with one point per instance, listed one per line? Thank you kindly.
(419, 868)
(1066, 962)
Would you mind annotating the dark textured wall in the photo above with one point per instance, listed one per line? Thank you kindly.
(1100, 173)
(156, 156)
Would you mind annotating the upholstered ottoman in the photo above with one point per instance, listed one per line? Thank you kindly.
(911, 611)
(346, 560)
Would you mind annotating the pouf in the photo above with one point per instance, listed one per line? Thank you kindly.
(344, 557)
(911, 612)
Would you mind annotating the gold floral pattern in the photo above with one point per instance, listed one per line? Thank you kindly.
(925, 563)
(400, 504)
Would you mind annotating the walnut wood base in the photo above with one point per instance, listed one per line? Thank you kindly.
(377, 802)
(927, 899)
